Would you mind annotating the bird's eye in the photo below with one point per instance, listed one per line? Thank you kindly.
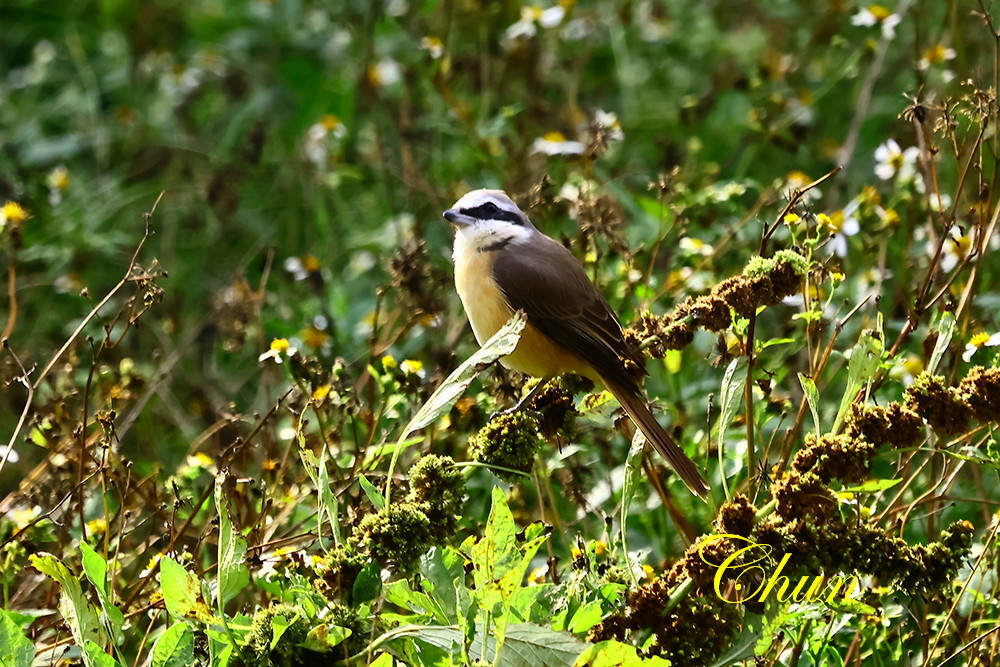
(491, 207)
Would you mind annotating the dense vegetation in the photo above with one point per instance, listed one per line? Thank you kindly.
(244, 420)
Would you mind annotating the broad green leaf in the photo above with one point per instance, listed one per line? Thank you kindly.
(495, 554)
(400, 594)
(616, 654)
(586, 617)
(96, 569)
(233, 574)
(384, 660)
(526, 644)
(443, 569)
(368, 584)
(633, 470)
(527, 604)
(866, 357)
(745, 645)
(733, 381)
(499, 345)
(320, 477)
(16, 650)
(324, 637)
(761, 634)
(872, 486)
(775, 341)
(94, 656)
(174, 648)
(220, 648)
(373, 494)
(812, 398)
(182, 592)
(279, 624)
(945, 328)
(79, 613)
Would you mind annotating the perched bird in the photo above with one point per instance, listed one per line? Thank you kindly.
(503, 264)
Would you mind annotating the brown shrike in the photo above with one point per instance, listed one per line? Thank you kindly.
(503, 264)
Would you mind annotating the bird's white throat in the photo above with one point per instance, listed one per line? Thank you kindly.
(486, 234)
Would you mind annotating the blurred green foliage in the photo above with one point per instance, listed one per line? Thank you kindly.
(298, 155)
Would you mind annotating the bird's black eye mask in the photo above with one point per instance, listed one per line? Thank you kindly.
(490, 211)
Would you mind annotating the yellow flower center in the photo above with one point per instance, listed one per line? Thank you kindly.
(311, 263)
(879, 12)
(330, 122)
(913, 365)
(979, 339)
(12, 212)
(833, 223)
(280, 345)
(411, 366)
(962, 245)
(555, 137)
(936, 54)
(59, 178)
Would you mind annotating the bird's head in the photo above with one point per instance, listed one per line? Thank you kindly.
(483, 213)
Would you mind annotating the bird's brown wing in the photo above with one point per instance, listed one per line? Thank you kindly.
(545, 281)
(569, 309)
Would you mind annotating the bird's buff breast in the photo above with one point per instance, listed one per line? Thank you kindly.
(488, 310)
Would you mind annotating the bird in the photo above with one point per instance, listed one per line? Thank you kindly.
(503, 265)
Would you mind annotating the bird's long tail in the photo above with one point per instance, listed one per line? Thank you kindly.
(637, 408)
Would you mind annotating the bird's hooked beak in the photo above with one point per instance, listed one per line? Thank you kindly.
(455, 217)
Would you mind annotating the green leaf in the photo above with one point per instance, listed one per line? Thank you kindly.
(174, 648)
(499, 345)
(616, 654)
(733, 381)
(400, 594)
(945, 328)
(94, 656)
(320, 477)
(278, 626)
(368, 583)
(812, 398)
(443, 569)
(220, 646)
(233, 574)
(633, 470)
(495, 554)
(586, 617)
(182, 592)
(16, 650)
(373, 494)
(775, 341)
(872, 486)
(866, 357)
(81, 616)
(384, 660)
(324, 637)
(526, 644)
(528, 604)
(96, 569)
